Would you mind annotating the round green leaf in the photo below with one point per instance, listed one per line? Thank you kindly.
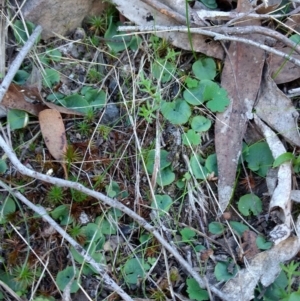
(211, 164)
(21, 77)
(165, 177)
(114, 42)
(250, 203)
(3, 166)
(204, 68)
(95, 98)
(259, 158)
(225, 270)
(262, 244)
(177, 111)
(134, 269)
(200, 124)
(194, 96)
(283, 158)
(65, 276)
(194, 291)
(163, 70)
(238, 227)
(216, 228)
(187, 234)
(91, 232)
(199, 171)
(77, 102)
(210, 3)
(17, 119)
(8, 206)
(191, 138)
(164, 160)
(62, 213)
(50, 77)
(163, 203)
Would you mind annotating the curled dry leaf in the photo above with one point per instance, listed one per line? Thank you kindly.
(264, 267)
(241, 78)
(281, 70)
(29, 99)
(54, 134)
(281, 197)
(283, 120)
(143, 14)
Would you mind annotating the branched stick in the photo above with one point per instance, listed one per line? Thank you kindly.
(98, 267)
(18, 61)
(215, 35)
(112, 203)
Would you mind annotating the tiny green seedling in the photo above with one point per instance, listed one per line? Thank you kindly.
(250, 203)
(194, 291)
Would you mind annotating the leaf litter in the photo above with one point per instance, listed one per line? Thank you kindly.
(257, 94)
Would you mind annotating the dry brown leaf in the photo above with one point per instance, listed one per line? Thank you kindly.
(249, 248)
(14, 99)
(277, 110)
(28, 99)
(53, 131)
(142, 14)
(241, 78)
(264, 267)
(281, 70)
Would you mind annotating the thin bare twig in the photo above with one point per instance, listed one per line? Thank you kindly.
(216, 36)
(108, 201)
(18, 61)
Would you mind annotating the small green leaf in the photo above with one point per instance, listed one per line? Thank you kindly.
(116, 42)
(77, 102)
(259, 158)
(238, 227)
(107, 228)
(165, 177)
(212, 4)
(187, 234)
(204, 68)
(262, 244)
(191, 82)
(50, 77)
(225, 270)
(62, 213)
(21, 77)
(250, 203)
(215, 96)
(54, 55)
(95, 98)
(199, 171)
(164, 160)
(163, 203)
(191, 138)
(17, 119)
(200, 124)
(134, 269)
(8, 206)
(64, 277)
(216, 228)
(91, 232)
(22, 31)
(113, 189)
(283, 158)
(163, 70)
(177, 111)
(194, 291)
(295, 38)
(211, 164)
(194, 96)
(3, 166)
